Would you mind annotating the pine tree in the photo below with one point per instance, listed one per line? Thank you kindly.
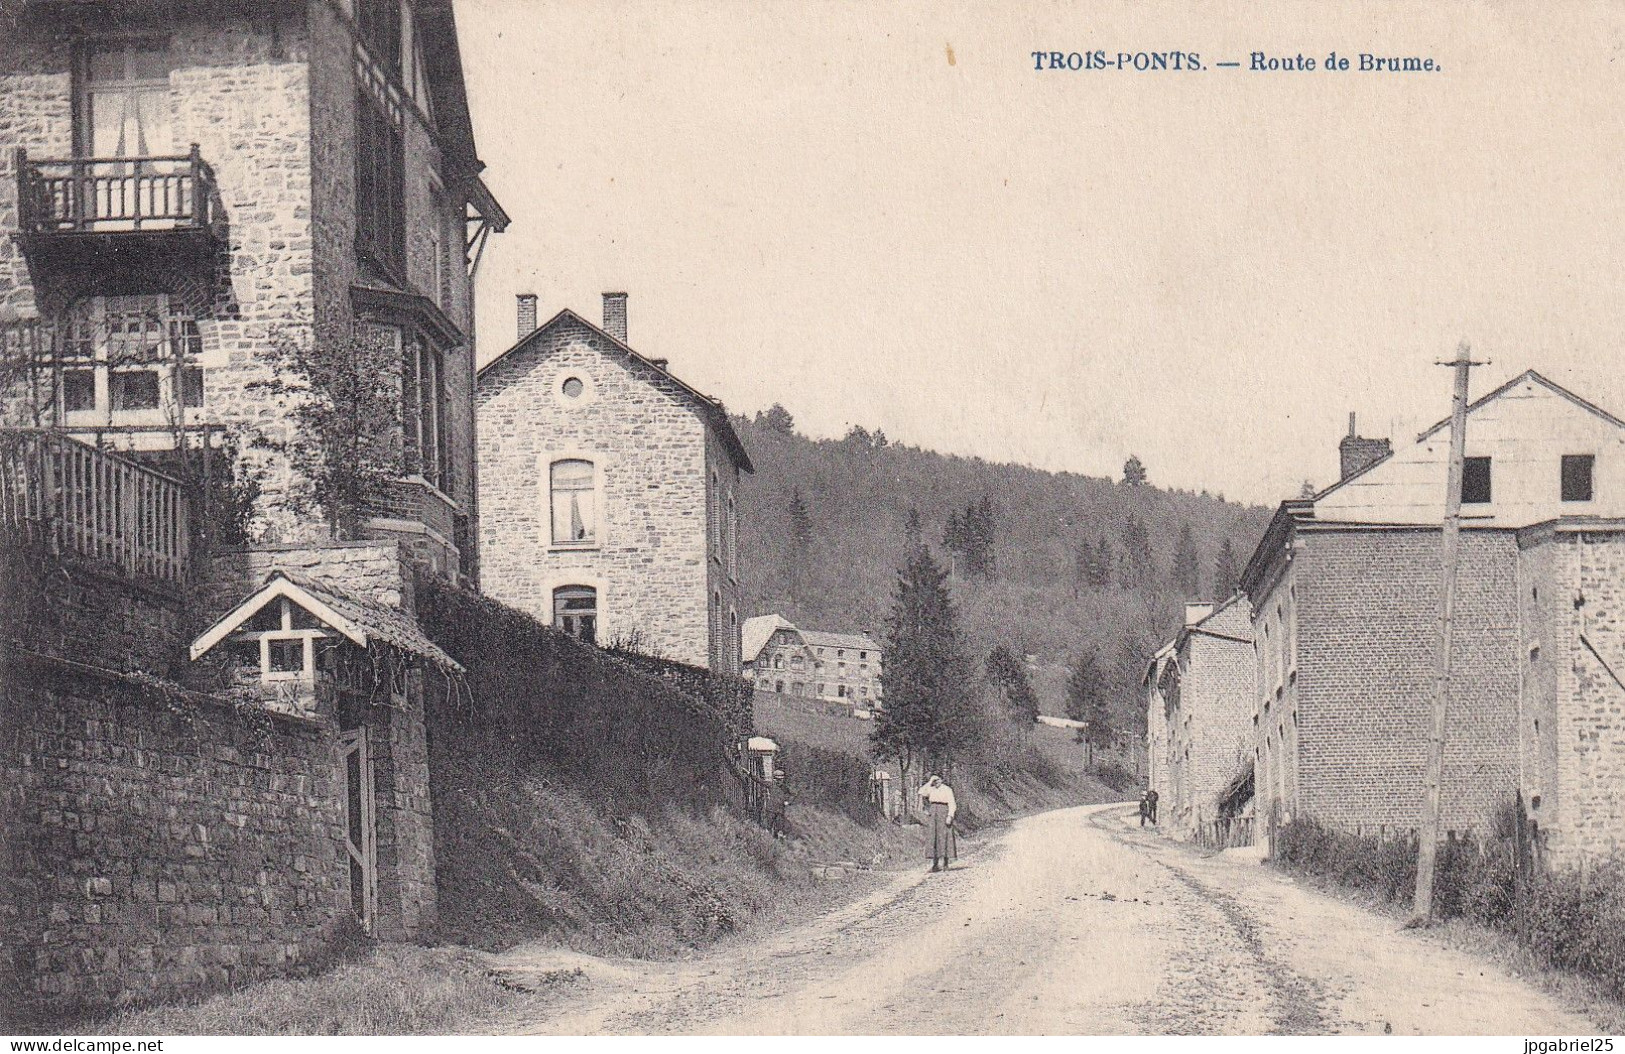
(1226, 571)
(929, 715)
(801, 541)
(1087, 700)
(1134, 472)
(1007, 674)
(1105, 560)
(777, 418)
(1085, 684)
(984, 532)
(1138, 567)
(1187, 565)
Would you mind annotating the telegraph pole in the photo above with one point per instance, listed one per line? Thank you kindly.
(1427, 845)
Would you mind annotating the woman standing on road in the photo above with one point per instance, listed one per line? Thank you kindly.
(937, 799)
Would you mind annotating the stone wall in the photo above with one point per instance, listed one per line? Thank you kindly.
(1367, 624)
(651, 566)
(371, 571)
(154, 846)
(159, 841)
(1573, 729)
(74, 607)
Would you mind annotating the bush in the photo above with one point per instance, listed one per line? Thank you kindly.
(1116, 776)
(830, 779)
(1576, 919)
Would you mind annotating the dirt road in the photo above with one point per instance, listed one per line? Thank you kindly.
(1072, 921)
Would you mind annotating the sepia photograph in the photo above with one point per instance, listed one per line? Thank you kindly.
(649, 518)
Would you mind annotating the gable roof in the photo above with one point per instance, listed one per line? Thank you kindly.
(1530, 375)
(1533, 376)
(756, 632)
(712, 409)
(356, 620)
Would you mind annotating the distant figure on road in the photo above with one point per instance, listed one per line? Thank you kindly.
(1145, 807)
(1151, 794)
(937, 799)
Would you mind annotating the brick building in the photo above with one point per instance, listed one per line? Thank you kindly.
(1345, 588)
(838, 667)
(610, 491)
(191, 187)
(1206, 687)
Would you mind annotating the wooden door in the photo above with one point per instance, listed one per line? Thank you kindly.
(360, 843)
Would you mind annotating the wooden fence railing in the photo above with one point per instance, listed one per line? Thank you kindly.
(1227, 832)
(110, 194)
(74, 497)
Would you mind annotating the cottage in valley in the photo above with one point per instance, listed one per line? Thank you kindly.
(1345, 595)
(839, 667)
(610, 491)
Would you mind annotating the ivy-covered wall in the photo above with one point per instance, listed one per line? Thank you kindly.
(638, 728)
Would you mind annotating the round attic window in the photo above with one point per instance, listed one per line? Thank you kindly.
(573, 387)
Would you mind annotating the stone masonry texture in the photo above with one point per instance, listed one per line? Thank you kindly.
(150, 852)
(271, 102)
(1572, 597)
(155, 841)
(664, 583)
(1209, 717)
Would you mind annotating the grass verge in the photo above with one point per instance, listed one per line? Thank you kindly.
(395, 989)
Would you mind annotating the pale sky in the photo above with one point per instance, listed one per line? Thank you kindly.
(810, 203)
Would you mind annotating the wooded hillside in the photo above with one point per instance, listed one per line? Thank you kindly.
(1048, 564)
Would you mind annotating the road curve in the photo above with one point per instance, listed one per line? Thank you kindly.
(1069, 922)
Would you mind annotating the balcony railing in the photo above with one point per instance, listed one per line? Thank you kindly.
(74, 497)
(118, 195)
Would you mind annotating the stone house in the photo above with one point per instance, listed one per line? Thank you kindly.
(1206, 687)
(1156, 723)
(188, 190)
(837, 667)
(610, 491)
(1345, 592)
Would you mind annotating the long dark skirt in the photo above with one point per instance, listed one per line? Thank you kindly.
(943, 844)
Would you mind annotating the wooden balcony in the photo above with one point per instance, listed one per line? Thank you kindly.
(78, 212)
(74, 498)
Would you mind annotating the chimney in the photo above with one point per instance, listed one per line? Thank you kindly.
(1195, 613)
(664, 364)
(615, 315)
(1356, 452)
(527, 314)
